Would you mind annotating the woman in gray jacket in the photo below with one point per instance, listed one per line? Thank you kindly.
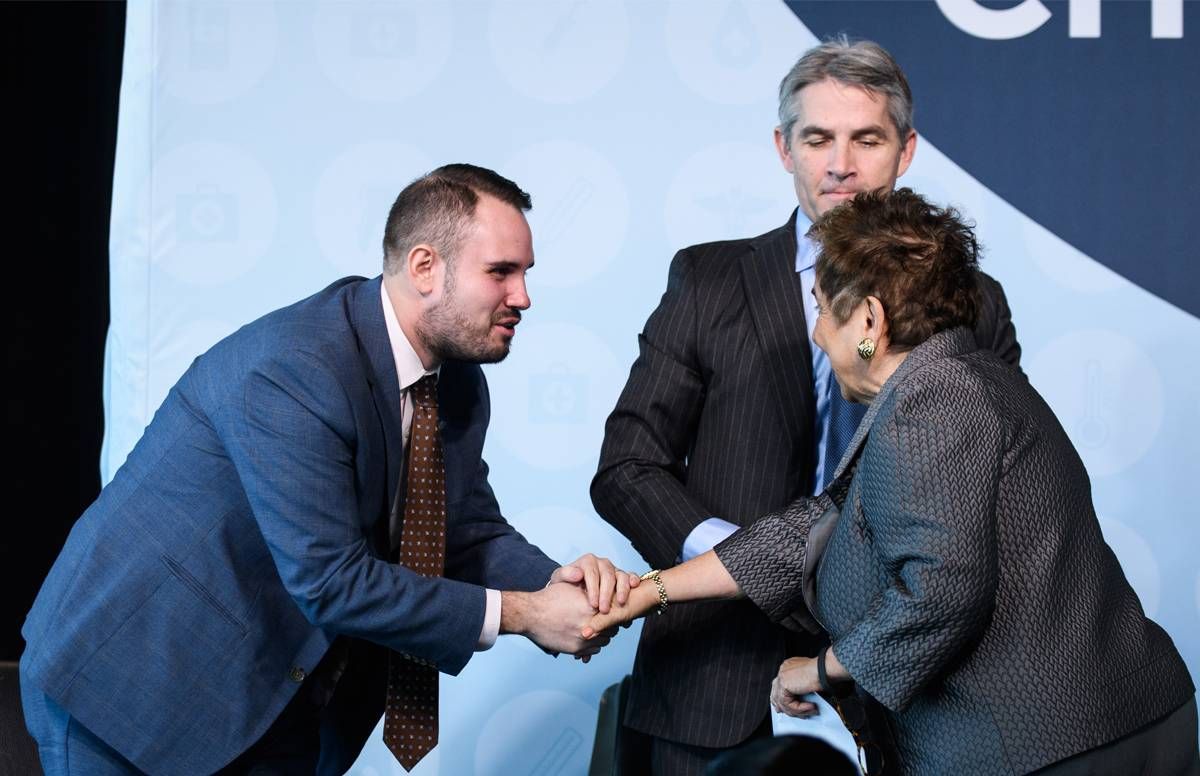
(955, 563)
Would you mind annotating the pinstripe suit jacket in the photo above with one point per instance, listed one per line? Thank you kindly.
(717, 419)
(966, 585)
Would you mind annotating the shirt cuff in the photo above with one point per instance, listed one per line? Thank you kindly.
(491, 621)
(705, 536)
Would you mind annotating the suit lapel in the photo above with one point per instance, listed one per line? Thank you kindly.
(776, 304)
(380, 367)
(457, 400)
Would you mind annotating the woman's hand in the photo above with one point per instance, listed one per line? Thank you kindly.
(603, 582)
(701, 578)
(641, 600)
(797, 677)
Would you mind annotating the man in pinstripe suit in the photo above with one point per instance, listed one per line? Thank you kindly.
(730, 412)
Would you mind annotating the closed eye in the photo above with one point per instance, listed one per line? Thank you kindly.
(502, 269)
(870, 137)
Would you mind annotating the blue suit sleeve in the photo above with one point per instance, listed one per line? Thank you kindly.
(484, 549)
(294, 448)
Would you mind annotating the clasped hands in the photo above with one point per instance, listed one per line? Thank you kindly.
(556, 616)
(640, 601)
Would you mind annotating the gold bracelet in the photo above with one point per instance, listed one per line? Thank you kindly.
(654, 576)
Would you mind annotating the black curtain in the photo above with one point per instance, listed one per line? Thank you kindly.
(62, 72)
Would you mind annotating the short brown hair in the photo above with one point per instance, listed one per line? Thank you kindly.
(920, 260)
(437, 208)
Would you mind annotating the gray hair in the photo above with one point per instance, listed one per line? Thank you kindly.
(861, 63)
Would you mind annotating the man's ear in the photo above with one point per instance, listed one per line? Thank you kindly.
(906, 152)
(785, 155)
(421, 266)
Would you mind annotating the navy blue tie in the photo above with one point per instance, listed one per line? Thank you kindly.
(844, 418)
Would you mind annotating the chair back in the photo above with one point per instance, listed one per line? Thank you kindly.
(18, 751)
(618, 750)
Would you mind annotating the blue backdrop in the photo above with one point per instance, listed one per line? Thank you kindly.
(260, 145)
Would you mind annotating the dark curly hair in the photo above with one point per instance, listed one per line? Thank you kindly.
(919, 260)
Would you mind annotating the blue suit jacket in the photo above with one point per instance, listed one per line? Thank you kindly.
(238, 540)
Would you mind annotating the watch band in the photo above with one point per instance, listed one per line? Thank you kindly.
(654, 575)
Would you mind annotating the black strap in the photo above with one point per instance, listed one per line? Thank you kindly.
(839, 689)
(822, 676)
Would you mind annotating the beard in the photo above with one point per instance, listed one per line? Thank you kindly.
(449, 335)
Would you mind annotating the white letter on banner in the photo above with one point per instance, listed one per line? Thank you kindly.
(994, 24)
(1166, 19)
(1084, 19)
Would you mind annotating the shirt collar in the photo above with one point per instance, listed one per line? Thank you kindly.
(409, 368)
(806, 249)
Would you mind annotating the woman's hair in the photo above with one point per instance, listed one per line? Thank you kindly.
(920, 260)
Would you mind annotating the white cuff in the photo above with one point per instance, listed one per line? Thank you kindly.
(706, 536)
(491, 621)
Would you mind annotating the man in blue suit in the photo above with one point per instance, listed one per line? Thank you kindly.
(230, 600)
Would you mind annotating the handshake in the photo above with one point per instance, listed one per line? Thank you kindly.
(577, 596)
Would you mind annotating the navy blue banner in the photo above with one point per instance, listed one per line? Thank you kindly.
(1095, 138)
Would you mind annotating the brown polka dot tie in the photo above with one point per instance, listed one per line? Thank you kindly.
(410, 726)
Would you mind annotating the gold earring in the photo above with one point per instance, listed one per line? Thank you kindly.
(866, 348)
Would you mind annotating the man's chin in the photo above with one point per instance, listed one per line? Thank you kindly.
(493, 354)
(501, 352)
(482, 350)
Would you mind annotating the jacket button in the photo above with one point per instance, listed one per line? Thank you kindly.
(297, 675)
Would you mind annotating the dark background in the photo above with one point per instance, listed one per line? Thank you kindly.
(62, 73)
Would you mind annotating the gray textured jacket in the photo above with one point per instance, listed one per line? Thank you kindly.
(966, 585)
(717, 418)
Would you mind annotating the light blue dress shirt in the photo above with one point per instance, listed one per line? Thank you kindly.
(824, 383)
